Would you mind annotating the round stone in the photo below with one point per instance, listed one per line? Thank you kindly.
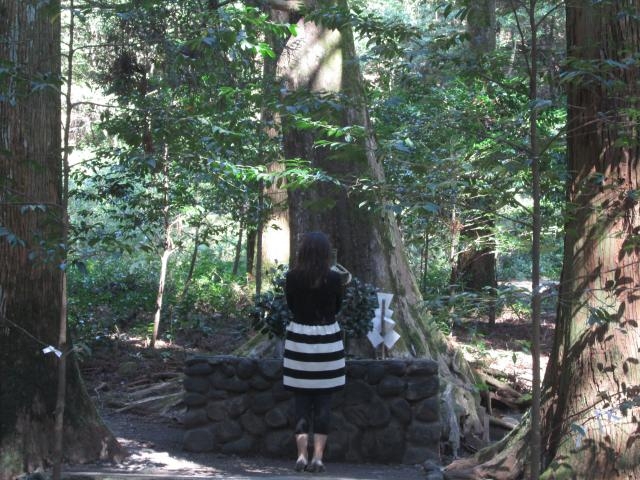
(422, 389)
(200, 368)
(246, 368)
(391, 386)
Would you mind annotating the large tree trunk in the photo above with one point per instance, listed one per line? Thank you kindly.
(475, 269)
(592, 385)
(30, 280)
(319, 60)
(481, 25)
(596, 353)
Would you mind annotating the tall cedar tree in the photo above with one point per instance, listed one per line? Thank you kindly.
(31, 219)
(591, 390)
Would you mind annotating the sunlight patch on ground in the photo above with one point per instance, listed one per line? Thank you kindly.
(512, 363)
(145, 459)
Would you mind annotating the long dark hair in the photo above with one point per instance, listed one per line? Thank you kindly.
(314, 258)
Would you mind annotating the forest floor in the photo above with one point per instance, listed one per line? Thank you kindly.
(138, 392)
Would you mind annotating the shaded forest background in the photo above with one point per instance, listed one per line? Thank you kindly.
(170, 153)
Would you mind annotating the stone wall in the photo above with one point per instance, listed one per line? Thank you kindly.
(388, 411)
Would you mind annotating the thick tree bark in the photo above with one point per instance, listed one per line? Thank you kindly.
(596, 353)
(30, 280)
(475, 269)
(275, 237)
(481, 25)
(323, 61)
(592, 384)
(238, 251)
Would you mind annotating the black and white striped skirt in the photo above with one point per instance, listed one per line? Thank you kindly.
(313, 357)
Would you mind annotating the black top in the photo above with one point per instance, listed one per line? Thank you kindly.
(314, 306)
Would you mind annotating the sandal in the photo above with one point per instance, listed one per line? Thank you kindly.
(301, 465)
(316, 466)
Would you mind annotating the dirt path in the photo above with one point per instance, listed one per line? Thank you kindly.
(155, 451)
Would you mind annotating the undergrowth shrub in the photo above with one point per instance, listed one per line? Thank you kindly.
(106, 293)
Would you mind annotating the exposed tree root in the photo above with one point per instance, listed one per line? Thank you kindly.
(504, 460)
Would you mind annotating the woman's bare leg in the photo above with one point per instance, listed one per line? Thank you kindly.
(302, 442)
(319, 442)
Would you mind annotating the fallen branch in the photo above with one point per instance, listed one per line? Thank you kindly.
(503, 388)
(155, 389)
(164, 401)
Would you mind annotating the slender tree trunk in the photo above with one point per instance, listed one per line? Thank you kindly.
(192, 267)
(167, 248)
(238, 251)
(591, 390)
(535, 455)
(251, 250)
(164, 262)
(425, 262)
(31, 228)
(62, 336)
(259, 233)
(454, 229)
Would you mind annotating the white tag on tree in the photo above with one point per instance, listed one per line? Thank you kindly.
(53, 350)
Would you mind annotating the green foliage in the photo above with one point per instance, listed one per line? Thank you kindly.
(357, 309)
(451, 308)
(187, 98)
(116, 293)
(213, 288)
(108, 294)
(453, 128)
(271, 314)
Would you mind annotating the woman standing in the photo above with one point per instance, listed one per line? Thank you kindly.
(314, 364)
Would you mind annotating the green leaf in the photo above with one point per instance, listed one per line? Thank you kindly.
(265, 50)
